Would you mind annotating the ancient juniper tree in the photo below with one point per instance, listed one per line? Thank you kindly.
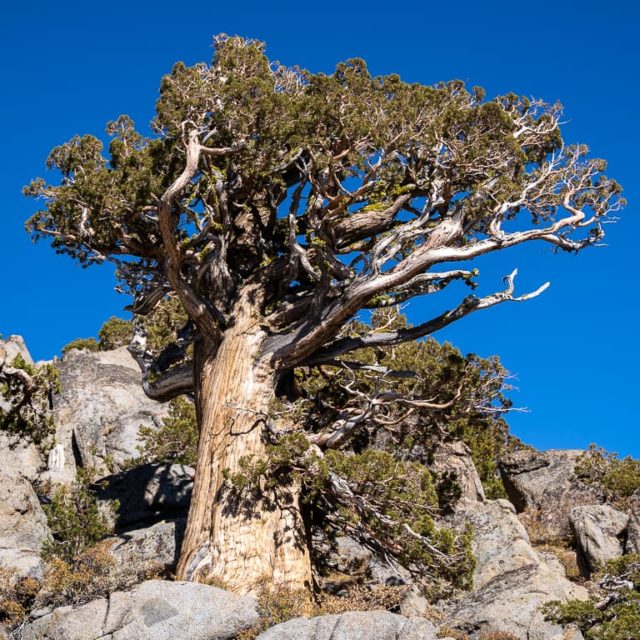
(275, 204)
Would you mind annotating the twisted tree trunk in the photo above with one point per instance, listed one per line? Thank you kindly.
(240, 538)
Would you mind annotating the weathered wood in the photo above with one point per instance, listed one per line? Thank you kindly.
(240, 540)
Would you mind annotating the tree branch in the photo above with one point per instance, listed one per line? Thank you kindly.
(466, 307)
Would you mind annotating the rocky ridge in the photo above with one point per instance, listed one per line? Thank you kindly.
(98, 414)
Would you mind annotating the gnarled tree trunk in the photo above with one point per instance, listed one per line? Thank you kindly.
(240, 538)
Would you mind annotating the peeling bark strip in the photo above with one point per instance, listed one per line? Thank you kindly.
(240, 541)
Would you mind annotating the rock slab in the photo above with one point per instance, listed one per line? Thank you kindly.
(599, 532)
(100, 410)
(154, 610)
(23, 527)
(142, 551)
(354, 625)
(499, 540)
(148, 494)
(544, 482)
(511, 603)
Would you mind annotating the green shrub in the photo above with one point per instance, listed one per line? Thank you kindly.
(83, 344)
(161, 327)
(115, 333)
(613, 613)
(27, 390)
(75, 519)
(618, 478)
(397, 504)
(175, 441)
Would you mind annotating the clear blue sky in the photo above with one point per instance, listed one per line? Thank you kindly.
(70, 67)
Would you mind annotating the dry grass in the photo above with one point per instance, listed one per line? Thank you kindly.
(456, 634)
(16, 597)
(92, 574)
(567, 557)
(279, 606)
(543, 542)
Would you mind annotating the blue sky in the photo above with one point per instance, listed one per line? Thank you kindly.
(70, 67)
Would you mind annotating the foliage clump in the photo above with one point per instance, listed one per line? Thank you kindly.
(160, 329)
(613, 612)
(468, 393)
(81, 344)
(395, 505)
(175, 441)
(115, 333)
(16, 597)
(618, 478)
(76, 520)
(28, 390)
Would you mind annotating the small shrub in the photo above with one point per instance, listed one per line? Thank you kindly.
(115, 333)
(82, 344)
(276, 607)
(75, 519)
(362, 597)
(497, 635)
(448, 632)
(82, 578)
(566, 556)
(613, 612)
(16, 597)
(175, 441)
(619, 478)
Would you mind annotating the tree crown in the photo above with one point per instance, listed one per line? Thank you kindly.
(333, 192)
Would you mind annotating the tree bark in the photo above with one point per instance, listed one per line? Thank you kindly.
(240, 539)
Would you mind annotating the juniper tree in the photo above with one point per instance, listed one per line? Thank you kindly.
(274, 205)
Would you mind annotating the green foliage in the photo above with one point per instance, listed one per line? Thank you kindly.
(423, 369)
(75, 519)
(619, 618)
(82, 344)
(28, 389)
(161, 327)
(619, 478)
(398, 502)
(270, 116)
(114, 333)
(163, 324)
(175, 441)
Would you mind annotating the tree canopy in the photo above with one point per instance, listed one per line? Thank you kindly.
(335, 191)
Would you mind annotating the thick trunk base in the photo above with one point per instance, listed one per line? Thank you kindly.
(241, 539)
